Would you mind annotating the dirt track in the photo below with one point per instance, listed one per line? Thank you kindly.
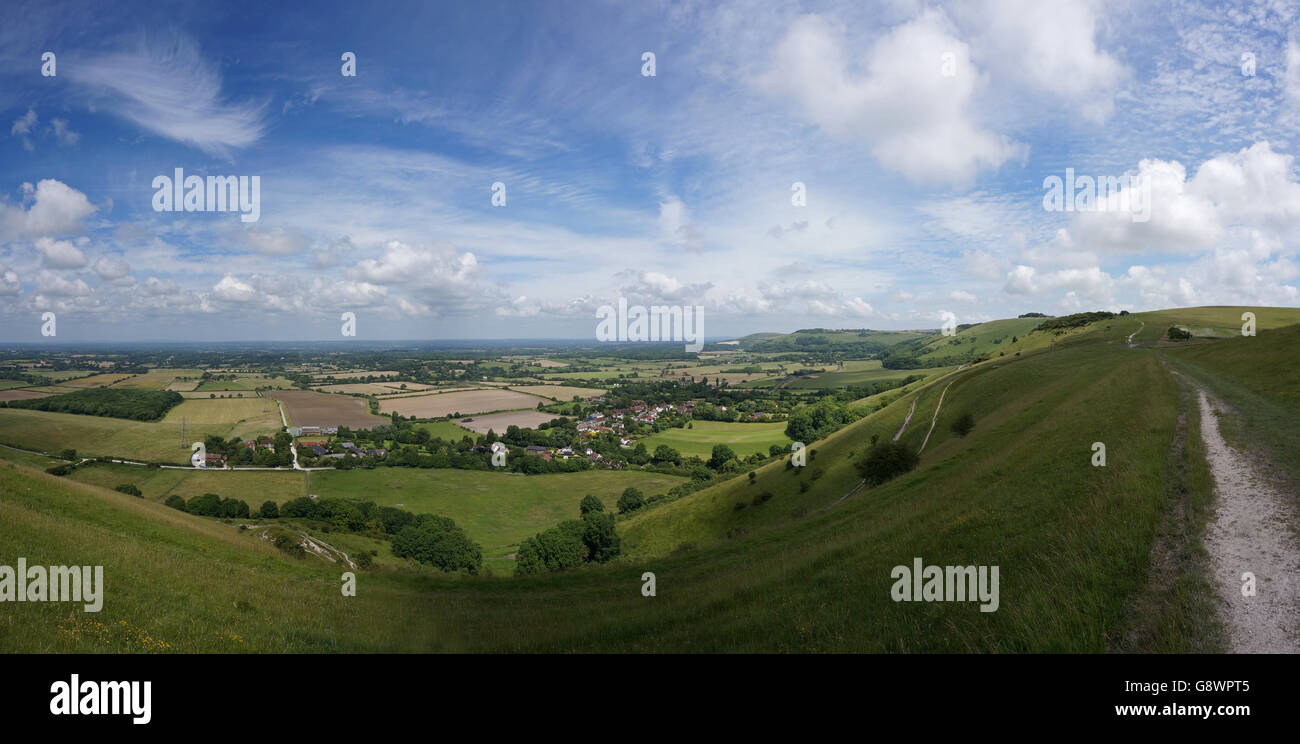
(1251, 532)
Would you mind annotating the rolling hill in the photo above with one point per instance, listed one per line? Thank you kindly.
(1091, 559)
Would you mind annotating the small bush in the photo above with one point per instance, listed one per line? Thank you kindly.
(129, 489)
(886, 461)
(963, 425)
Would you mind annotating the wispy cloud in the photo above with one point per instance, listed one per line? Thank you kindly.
(171, 90)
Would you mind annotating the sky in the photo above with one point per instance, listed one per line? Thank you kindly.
(503, 170)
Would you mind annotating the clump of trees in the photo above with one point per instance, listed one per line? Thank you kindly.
(963, 425)
(137, 405)
(817, 420)
(1073, 321)
(129, 489)
(1177, 334)
(568, 545)
(631, 500)
(884, 461)
(212, 505)
(437, 541)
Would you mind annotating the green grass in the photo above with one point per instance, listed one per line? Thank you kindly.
(837, 380)
(156, 484)
(497, 510)
(1091, 559)
(94, 436)
(744, 439)
(445, 429)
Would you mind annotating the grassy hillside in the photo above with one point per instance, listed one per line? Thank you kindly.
(1091, 559)
(497, 510)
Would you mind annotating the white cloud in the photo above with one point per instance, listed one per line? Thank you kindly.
(9, 283)
(1050, 47)
(60, 254)
(916, 120)
(275, 241)
(57, 209)
(174, 91)
(49, 283)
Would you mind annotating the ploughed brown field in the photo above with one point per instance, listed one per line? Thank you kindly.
(499, 422)
(307, 408)
(21, 394)
(467, 402)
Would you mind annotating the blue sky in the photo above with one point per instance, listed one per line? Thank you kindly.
(922, 134)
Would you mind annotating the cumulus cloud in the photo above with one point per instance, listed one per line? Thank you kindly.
(9, 283)
(1049, 47)
(1252, 188)
(60, 254)
(49, 283)
(113, 270)
(57, 209)
(916, 120)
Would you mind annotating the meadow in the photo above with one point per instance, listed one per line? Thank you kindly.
(744, 439)
(497, 510)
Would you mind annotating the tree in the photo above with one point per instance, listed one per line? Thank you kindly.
(600, 537)
(630, 501)
(129, 489)
(175, 501)
(207, 505)
(270, 510)
(722, 454)
(963, 425)
(1178, 334)
(590, 504)
(885, 461)
(69, 454)
(664, 453)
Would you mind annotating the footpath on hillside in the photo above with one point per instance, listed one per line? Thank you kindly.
(1254, 553)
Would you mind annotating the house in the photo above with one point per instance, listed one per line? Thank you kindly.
(212, 457)
(310, 430)
(318, 450)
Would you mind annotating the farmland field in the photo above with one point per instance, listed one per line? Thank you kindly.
(93, 381)
(466, 402)
(375, 388)
(559, 392)
(745, 439)
(499, 422)
(245, 383)
(496, 509)
(21, 394)
(444, 430)
(308, 408)
(94, 436)
(253, 486)
(161, 379)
